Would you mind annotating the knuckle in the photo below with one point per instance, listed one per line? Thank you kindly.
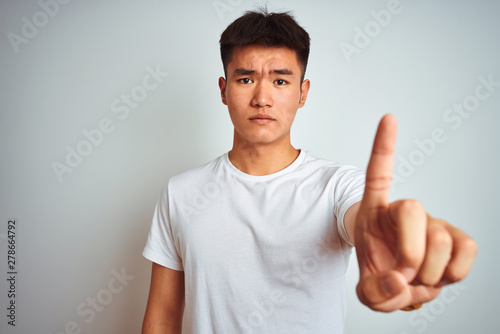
(455, 274)
(440, 238)
(410, 258)
(375, 183)
(468, 245)
(429, 281)
(411, 205)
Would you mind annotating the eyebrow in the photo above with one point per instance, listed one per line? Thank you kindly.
(283, 71)
(244, 71)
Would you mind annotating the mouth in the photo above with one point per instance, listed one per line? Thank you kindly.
(261, 118)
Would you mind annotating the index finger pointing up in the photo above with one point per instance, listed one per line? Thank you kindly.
(379, 171)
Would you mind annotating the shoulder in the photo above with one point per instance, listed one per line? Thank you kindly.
(196, 177)
(328, 168)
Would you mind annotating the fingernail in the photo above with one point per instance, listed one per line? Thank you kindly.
(408, 273)
(388, 287)
(442, 283)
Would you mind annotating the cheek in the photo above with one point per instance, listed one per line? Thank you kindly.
(289, 101)
(291, 117)
(237, 114)
(236, 99)
(292, 106)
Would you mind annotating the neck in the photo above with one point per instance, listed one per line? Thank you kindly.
(262, 159)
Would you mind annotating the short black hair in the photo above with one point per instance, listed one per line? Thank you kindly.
(267, 29)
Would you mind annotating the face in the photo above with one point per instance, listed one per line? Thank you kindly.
(263, 91)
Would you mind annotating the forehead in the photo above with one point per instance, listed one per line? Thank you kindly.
(257, 56)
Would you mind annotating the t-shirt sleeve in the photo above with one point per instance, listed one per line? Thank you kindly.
(348, 191)
(161, 243)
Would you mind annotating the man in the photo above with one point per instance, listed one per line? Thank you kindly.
(258, 240)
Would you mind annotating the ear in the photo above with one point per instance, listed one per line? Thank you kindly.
(222, 87)
(304, 89)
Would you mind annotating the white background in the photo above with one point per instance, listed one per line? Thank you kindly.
(75, 234)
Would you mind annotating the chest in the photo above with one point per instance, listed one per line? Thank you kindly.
(271, 229)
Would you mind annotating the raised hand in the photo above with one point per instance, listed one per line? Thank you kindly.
(405, 256)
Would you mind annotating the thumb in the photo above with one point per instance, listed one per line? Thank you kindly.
(383, 291)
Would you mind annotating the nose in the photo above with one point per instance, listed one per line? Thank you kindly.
(262, 95)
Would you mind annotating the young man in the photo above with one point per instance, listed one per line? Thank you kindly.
(258, 240)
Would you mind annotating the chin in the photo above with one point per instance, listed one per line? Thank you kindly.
(265, 140)
(261, 137)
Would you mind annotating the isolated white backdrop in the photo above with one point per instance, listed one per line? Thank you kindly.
(68, 71)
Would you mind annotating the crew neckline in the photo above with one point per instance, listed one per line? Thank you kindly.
(287, 169)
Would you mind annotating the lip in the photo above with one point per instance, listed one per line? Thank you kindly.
(261, 118)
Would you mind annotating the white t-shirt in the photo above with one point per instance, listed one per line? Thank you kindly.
(260, 254)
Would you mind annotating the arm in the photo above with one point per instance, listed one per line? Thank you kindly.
(349, 221)
(165, 302)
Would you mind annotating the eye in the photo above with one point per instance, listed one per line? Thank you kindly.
(280, 82)
(245, 80)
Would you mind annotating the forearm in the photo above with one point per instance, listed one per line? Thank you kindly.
(165, 307)
(159, 320)
(151, 326)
